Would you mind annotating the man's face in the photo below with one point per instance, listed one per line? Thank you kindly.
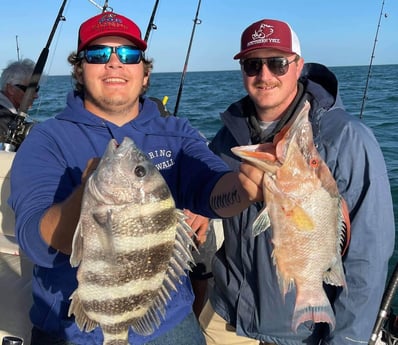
(273, 87)
(112, 89)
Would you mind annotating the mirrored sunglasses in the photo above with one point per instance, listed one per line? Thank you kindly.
(276, 65)
(24, 87)
(100, 54)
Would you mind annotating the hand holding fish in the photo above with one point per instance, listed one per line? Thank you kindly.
(251, 179)
(199, 225)
(90, 168)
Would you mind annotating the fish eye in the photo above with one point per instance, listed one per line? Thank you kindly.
(140, 171)
(314, 163)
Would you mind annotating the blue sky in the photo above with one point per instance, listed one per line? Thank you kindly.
(335, 33)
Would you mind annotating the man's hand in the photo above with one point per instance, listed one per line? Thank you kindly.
(90, 168)
(251, 179)
(199, 225)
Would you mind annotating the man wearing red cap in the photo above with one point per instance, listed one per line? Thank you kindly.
(51, 167)
(246, 305)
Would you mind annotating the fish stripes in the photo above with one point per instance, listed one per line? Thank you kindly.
(142, 264)
(132, 247)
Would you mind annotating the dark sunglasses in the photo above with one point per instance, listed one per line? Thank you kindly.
(24, 87)
(101, 54)
(276, 65)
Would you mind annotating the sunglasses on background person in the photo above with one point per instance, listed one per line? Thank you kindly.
(24, 87)
(276, 65)
(100, 54)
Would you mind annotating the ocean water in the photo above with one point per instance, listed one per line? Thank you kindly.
(205, 94)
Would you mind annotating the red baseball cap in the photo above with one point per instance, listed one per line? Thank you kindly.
(269, 33)
(109, 24)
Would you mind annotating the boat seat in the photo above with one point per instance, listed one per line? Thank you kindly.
(15, 267)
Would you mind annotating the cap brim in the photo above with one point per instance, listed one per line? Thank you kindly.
(245, 51)
(141, 44)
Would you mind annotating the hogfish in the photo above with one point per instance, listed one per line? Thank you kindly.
(131, 246)
(308, 217)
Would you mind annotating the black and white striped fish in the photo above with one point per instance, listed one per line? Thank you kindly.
(131, 245)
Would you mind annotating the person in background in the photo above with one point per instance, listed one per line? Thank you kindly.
(14, 81)
(53, 163)
(246, 305)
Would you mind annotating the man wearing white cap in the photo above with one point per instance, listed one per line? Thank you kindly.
(246, 305)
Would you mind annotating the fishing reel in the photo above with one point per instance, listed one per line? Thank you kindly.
(18, 129)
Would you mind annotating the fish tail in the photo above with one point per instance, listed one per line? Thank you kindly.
(113, 339)
(321, 311)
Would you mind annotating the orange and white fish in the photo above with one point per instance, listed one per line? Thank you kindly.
(307, 216)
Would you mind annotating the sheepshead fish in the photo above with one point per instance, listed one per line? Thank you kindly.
(131, 245)
(308, 217)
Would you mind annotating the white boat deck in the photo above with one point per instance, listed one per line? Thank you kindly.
(15, 268)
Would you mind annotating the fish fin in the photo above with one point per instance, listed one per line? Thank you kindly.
(104, 217)
(345, 227)
(335, 274)
(81, 318)
(315, 314)
(285, 284)
(319, 311)
(77, 246)
(179, 265)
(261, 223)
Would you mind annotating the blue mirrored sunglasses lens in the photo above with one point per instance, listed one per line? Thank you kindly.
(128, 55)
(102, 54)
(98, 54)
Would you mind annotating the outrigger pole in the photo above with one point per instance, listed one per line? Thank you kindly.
(370, 64)
(196, 21)
(30, 92)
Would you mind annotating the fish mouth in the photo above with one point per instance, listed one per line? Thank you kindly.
(255, 153)
(262, 156)
(120, 149)
(113, 145)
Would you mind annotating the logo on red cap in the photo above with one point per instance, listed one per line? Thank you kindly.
(268, 33)
(109, 24)
(265, 30)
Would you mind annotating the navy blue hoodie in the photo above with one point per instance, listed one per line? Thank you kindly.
(48, 167)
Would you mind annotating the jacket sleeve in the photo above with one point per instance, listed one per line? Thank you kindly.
(359, 168)
(36, 174)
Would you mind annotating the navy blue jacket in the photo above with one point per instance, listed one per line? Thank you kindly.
(246, 289)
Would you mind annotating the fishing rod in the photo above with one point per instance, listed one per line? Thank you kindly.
(385, 306)
(105, 7)
(95, 4)
(16, 39)
(196, 21)
(19, 129)
(371, 62)
(151, 25)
